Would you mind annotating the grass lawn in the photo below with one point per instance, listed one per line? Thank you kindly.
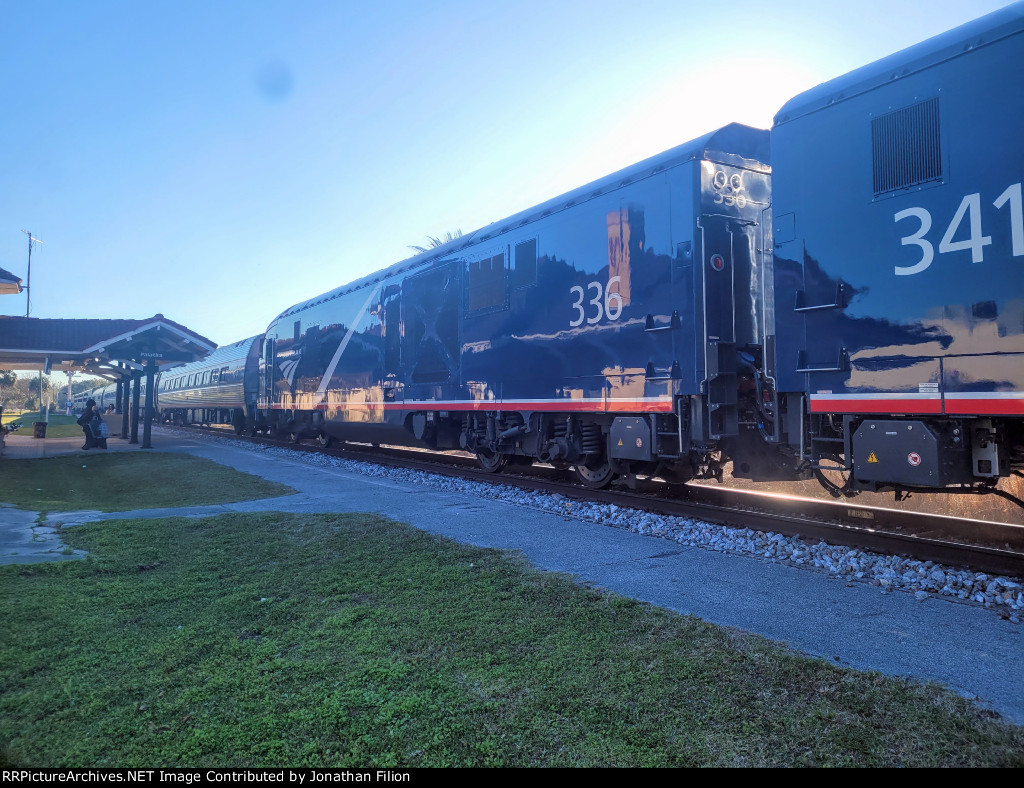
(58, 425)
(123, 481)
(277, 639)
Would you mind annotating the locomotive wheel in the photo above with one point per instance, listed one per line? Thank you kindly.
(834, 479)
(492, 462)
(323, 440)
(294, 435)
(595, 476)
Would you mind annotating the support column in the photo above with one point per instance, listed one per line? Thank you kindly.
(150, 386)
(136, 394)
(125, 408)
(118, 397)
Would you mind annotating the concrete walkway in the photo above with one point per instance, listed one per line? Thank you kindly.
(971, 650)
(24, 540)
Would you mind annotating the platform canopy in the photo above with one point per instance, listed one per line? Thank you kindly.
(105, 348)
(10, 284)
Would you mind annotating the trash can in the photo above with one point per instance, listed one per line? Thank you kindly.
(39, 430)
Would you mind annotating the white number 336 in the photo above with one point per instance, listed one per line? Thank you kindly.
(605, 302)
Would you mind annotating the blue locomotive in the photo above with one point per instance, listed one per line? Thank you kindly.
(585, 332)
(898, 266)
(840, 296)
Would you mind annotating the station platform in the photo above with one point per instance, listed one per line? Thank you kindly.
(24, 446)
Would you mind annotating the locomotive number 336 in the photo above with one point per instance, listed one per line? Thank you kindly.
(606, 302)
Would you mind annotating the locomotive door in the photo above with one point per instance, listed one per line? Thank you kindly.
(266, 399)
(431, 343)
(392, 383)
(719, 281)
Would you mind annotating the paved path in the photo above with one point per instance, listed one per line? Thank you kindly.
(971, 650)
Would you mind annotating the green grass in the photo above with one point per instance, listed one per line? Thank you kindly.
(123, 481)
(276, 639)
(58, 425)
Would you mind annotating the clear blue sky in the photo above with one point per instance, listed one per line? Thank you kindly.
(221, 161)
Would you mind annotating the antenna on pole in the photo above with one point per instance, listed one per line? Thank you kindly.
(28, 284)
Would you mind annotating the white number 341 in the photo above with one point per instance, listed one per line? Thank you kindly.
(970, 207)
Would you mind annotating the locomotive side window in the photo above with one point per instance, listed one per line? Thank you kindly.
(485, 283)
(524, 271)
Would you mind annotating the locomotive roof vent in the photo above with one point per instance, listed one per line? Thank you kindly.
(905, 147)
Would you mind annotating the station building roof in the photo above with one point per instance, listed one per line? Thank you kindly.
(100, 347)
(10, 284)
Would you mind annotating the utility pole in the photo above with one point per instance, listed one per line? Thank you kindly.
(28, 284)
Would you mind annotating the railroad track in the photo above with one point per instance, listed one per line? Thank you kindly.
(980, 545)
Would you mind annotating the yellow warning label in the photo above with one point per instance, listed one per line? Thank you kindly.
(872, 457)
(620, 441)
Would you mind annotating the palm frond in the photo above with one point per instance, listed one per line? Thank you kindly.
(434, 242)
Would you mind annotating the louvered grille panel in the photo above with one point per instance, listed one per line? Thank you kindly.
(905, 147)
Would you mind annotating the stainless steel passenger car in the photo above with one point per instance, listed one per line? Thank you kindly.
(219, 389)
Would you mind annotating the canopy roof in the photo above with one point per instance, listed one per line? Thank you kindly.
(10, 284)
(106, 348)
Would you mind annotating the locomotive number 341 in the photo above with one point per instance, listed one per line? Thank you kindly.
(606, 302)
(970, 207)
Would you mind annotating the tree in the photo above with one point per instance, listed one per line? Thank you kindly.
(433, 243)
(33, 385)
(7, 379)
